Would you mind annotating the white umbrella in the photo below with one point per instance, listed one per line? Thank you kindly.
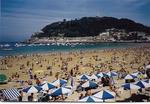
(101, 74)
(129, 76)
(93, 76)
(59, 82)
(84, 77)
(90, 99)
(60, 91)
(32, 89)
(112, 74)
(129, 86)
(47, 86)
(89, 84)
(105, 94)
(142, 84)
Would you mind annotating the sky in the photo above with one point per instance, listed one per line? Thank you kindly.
(21, 18)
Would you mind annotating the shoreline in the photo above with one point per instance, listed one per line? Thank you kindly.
(140, 45)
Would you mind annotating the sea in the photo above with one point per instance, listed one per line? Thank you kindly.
(16, 48)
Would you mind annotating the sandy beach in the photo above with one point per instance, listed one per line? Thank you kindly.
(50, 66)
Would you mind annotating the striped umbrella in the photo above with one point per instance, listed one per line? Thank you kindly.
(130, 76)
(129, 86)
(89, 84)
(32, 89)
(105, 94)
(60, 91)
(11, 93)
(47, 86)
(84, 77)
(147, 81)
(90, 99)
(93, 76)
(112, 74)
(142, 84)
(136, 73)
(59, 82)
(101, 74)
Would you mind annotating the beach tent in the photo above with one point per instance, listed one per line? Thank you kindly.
(59, 82)
(112, 74)
(142, 84)
(60, 91)
(90, 99)
(32, 89)
(3, 78)
(84, 77)
(94, 77)
(89, 84)
(129, 86)
(105, 94)
(11, 94)
(47, 86)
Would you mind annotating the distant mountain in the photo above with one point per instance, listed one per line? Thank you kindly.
(90, 26)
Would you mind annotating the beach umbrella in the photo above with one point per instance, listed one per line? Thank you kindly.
(11, 93)
(105, 94)
(84, 77)
(47, 86)
(130, 76)
(60, 91)
(101, 74)
(112, 74)
(59, 82)
(147, 81)
(129, 86)
(89, 84)
(135, 73)
(32, 89)
(142, 84)
(3, 77)
(90, 99)
(93, 76)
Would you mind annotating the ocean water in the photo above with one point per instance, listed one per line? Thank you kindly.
(7, 49)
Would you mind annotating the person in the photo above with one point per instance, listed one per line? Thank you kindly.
(30, 98)
(20, 96)
(81, 96)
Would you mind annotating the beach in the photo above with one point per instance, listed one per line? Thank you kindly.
(59, 65)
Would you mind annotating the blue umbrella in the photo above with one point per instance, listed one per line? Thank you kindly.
(90, 99)
(59, 82)
(130, 76)
(47, 86)
(112, 74)
(147, 81)
(101, 74)
(60, 91)
(32, 89)
(84, 77)
(105, 94)
(142, 84)
(129, 86)
(89, 84)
